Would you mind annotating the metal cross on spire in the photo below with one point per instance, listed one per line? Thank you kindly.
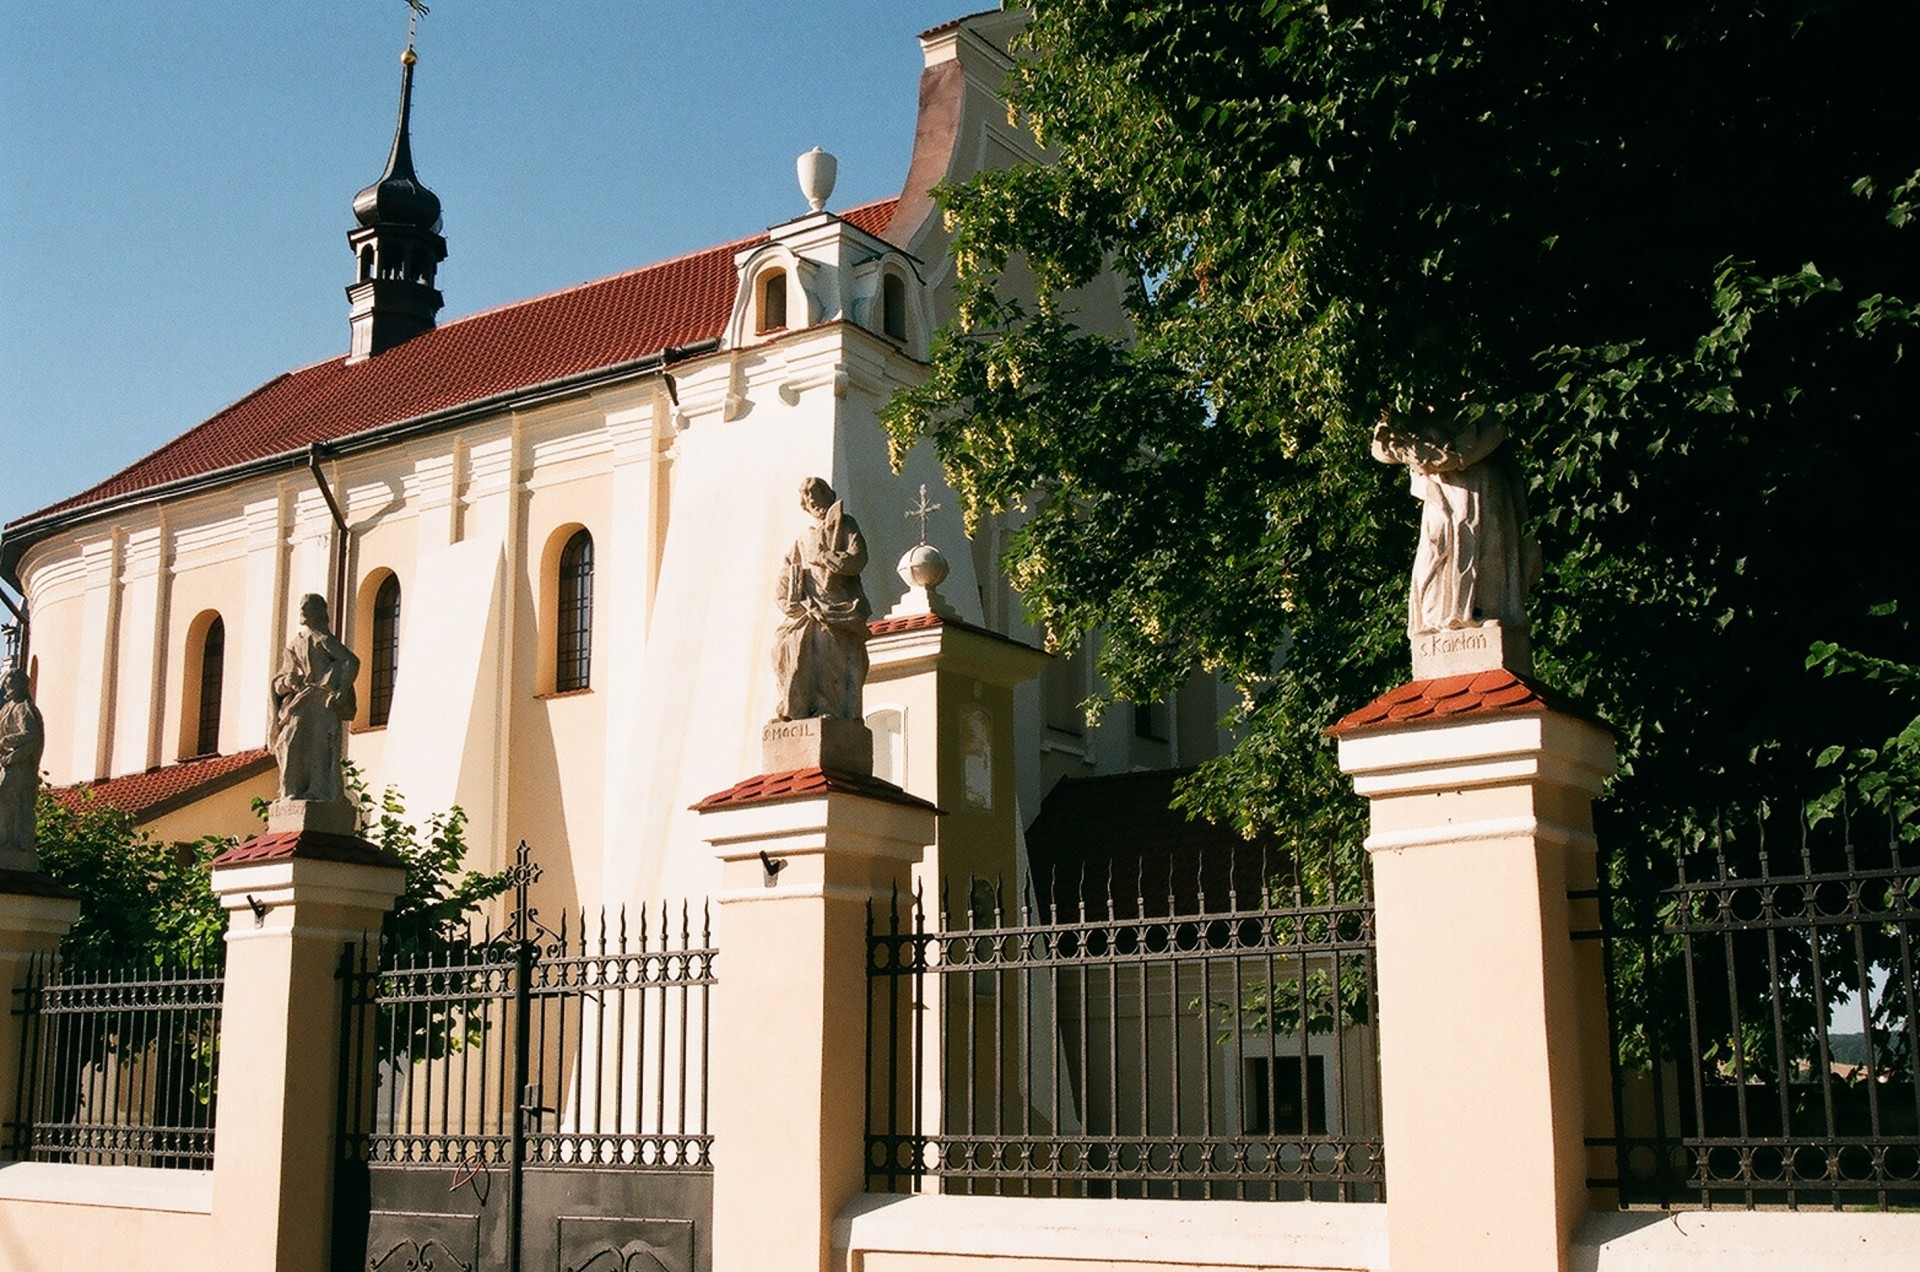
(416, 10)
(923, 511)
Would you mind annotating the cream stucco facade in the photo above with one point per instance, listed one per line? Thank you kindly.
(682, 467)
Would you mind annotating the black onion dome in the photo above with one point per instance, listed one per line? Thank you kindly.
(399, 197)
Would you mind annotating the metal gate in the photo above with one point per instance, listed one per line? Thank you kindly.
(533, 1100)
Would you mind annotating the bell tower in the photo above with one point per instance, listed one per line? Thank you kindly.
(396, 245)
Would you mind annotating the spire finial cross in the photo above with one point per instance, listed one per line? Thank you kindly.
(923, 511)
(416, 9)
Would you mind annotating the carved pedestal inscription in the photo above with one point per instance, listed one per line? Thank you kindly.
(845, 746)
(1460, 650)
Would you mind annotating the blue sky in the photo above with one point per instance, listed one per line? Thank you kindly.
(175, 178)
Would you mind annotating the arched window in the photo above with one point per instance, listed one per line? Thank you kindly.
(385, 651)
(893, 307)
(773, 301)
(573, 647)
(213, 659)
(889, 728)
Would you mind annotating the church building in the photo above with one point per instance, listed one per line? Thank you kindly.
(550, 532)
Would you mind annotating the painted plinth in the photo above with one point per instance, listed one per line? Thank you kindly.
(293, 898)
(801, 855)
(1493, 1043)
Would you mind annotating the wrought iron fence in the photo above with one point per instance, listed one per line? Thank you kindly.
(117, 1066)
(584, 1045)
(1130, 1037)
(1763, 1012)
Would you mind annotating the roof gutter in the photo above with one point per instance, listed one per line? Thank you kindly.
(337, 603)
(24, 534)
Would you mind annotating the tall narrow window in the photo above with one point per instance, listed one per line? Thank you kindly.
(574, 647)
(213, 659)
(386, 651)
(1063, 686)
(773, 301)
(893, 306)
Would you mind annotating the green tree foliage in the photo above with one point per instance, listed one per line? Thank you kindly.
(440, 898)
(1669, 247)
(143, 903)
(146, 903)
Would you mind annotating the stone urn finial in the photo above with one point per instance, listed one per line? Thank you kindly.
(817, 170)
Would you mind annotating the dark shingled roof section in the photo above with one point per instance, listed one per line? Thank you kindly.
(587, 328)
(170, 786)
(951, 23)
(1467, 696)
(1123, 828)
(32, 883)
(770, 788)
(306, 845)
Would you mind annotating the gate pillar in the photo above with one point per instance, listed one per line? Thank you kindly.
(35, 913)
(293, 900)
(1493, 1031)
(801, 855)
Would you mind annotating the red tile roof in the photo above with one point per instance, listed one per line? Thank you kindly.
(905, 623)
(160, 790)
(306, 845)
(929, 622)
(807, 783)
(594, 326)
(1451, 698)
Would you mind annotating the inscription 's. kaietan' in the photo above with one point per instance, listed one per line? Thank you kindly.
(1451, 643)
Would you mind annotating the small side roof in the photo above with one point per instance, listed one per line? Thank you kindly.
(160, 790)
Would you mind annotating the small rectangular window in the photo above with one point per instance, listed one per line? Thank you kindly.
(1275, 1100)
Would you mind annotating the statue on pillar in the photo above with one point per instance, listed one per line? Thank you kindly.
(312, 699)
(1475, 560)
(820, 649)
(22, 739)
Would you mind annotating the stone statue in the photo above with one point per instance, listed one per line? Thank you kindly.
(22, 738)
(312, 698)
(820, 650)
(1475, 562)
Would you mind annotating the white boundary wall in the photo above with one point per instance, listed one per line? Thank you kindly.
(54, 1217)
(958, 1234)
(892, 1234)
(1746, 1241)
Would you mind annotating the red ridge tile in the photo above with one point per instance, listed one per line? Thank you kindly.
(905, 623)
(1452, 697)
(767, 788)
(305, 845)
